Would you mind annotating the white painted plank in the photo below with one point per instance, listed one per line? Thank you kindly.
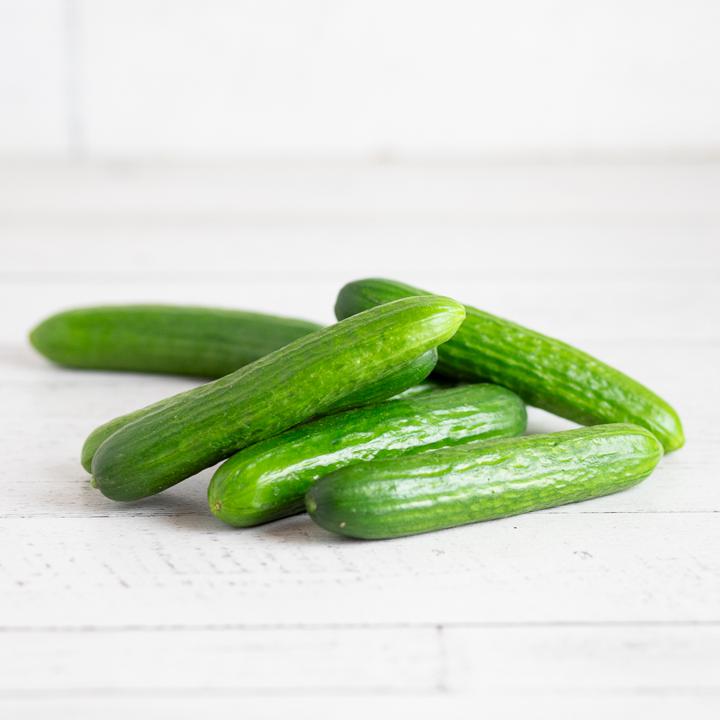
(187, 570)
(286, 192)
(495, 664)
(356, 77)
(33, 78)
(596, 661)
(240, 661)
(223, 706)
(579, 304)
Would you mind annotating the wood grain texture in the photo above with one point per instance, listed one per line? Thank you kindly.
(605, 608)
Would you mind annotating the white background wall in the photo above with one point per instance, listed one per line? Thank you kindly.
(359, 78)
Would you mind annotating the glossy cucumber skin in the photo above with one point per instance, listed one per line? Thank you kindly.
(482, 481)
(399, 380)
(406, 377)
(268, 480)
(172, 339)
(543, 371)
(202, 426)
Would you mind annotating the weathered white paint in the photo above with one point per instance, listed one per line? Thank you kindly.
(606, 608)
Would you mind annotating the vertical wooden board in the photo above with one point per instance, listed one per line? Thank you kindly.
(357, 78)
(34, 78)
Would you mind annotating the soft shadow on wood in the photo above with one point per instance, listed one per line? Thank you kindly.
(186, 499)
(301, 530)
(184, 506)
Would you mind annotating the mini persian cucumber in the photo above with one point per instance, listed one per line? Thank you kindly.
(543, 371)
(200, 427)
(405, 377)
(481, 481)
(268, 480)
(203, 342)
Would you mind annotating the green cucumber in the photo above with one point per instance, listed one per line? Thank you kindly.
(545, 372)
(405, 377)
(197, 341)
(268, 480)
(482, 481)
(400, 380)
(202, 426)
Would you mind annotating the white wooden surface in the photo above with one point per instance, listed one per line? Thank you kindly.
(607, 608)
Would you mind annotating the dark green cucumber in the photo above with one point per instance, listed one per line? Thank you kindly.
(545, 372)
(200, 427)
(203, 342)
(481, 481)
(405, 377)
(268, 480)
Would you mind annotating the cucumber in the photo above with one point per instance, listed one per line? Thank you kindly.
(403, 379)
(481, 481)
(406, 376)
(197, 341)
(268, 480)
(544, 372)
(204, 425)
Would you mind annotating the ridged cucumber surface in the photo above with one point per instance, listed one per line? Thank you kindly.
(405, 377)
(481, 481)
(268, 480)
(402, 379)
(178, 340)
(200, 427)
(545, 372)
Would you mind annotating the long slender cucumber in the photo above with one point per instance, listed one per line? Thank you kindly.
(405, 377)
(543, 371)
(481, 481)
(268, 480)
(178, 340)
(200, 427)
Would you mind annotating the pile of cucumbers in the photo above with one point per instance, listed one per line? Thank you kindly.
(343, 421)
